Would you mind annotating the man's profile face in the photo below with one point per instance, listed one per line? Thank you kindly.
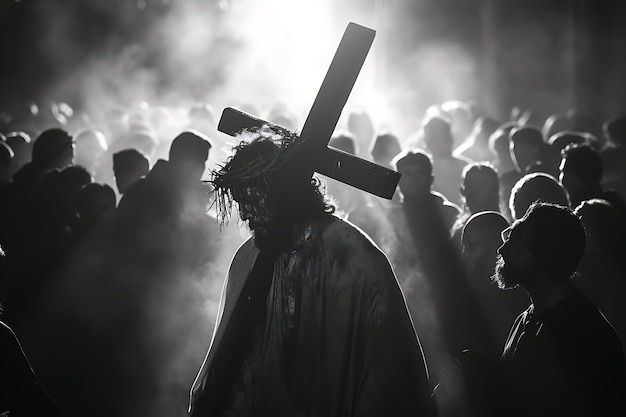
(512, 264)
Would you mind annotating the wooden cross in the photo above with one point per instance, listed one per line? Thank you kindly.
(323, 117)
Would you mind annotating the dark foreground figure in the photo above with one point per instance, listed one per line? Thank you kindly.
(562, 357)
(312, 321)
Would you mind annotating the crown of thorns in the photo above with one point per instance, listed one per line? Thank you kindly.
(259, 161)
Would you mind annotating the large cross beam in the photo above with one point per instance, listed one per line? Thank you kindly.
(323, 117)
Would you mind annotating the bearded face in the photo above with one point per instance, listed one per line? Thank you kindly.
(504, 276)
(514, 264)
(266, 222)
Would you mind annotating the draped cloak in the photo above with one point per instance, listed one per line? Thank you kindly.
(337, 340)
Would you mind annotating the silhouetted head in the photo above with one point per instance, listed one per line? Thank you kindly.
(6, 162)
(480, 187)
(90, 145)
(189, 151)
(499, 142)
(60, 187)
(438, 136)
(6, 155)
(533, 187)
(21, 145)
(480, 241)
(345, 141)
(281, 116)
(483, 128)
(202, 111)
(580, 171)
(53, 148)
(361, 125)
(461, 117)
(548, 242)
(94, 201)
(269, 178)
(160, 118)
(561, 139)
(144, 140)
(615, 130)
(526, 143)
(417, 178)
(129, 165)
(384, 148)
(20, 142)
(558, 122)
(605, 226)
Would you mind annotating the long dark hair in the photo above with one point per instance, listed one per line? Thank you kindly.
(275, 162)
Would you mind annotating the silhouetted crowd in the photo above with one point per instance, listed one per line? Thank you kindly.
(114, 257)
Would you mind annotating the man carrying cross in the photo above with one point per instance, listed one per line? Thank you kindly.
(312, 321)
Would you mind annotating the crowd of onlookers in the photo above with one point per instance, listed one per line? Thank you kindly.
(114, 259)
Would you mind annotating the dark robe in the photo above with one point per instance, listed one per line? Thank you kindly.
(20, 391)
(337, 339)
(565, 361)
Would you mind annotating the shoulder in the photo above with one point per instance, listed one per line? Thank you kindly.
(349, 247)
(341, 232)
(5, 331)
(241, 263)
(448, 207)
(246, 250)
(462, 160)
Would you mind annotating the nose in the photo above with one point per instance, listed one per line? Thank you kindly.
(245, 212)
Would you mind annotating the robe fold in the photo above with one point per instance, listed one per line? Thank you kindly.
(337, 339)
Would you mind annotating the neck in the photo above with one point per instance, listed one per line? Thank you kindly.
(545, 294)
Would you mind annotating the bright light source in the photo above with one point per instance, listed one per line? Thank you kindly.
(224, 5)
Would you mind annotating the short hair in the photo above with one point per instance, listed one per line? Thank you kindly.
(96, 135)
(75, 176)
(526, 134)
(560, 140)
(202, 111)
(50, 144)
(131, 159)
(385, 147)
(360, 121)
(537, 186)
(585, 162)
(438, 134)
(554, 236)
(605, 223)
(270, 160)
(486, 221)
(556, 123)
(6, 154)
(615, 129)
(413, 157)
(499, 140)
(93, 198)
(484, 126)
(190, 146)
(18, 139)
(486, 172)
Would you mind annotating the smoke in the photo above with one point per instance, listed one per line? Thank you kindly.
(174, 53)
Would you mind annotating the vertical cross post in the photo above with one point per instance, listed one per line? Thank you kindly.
(323, 117)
